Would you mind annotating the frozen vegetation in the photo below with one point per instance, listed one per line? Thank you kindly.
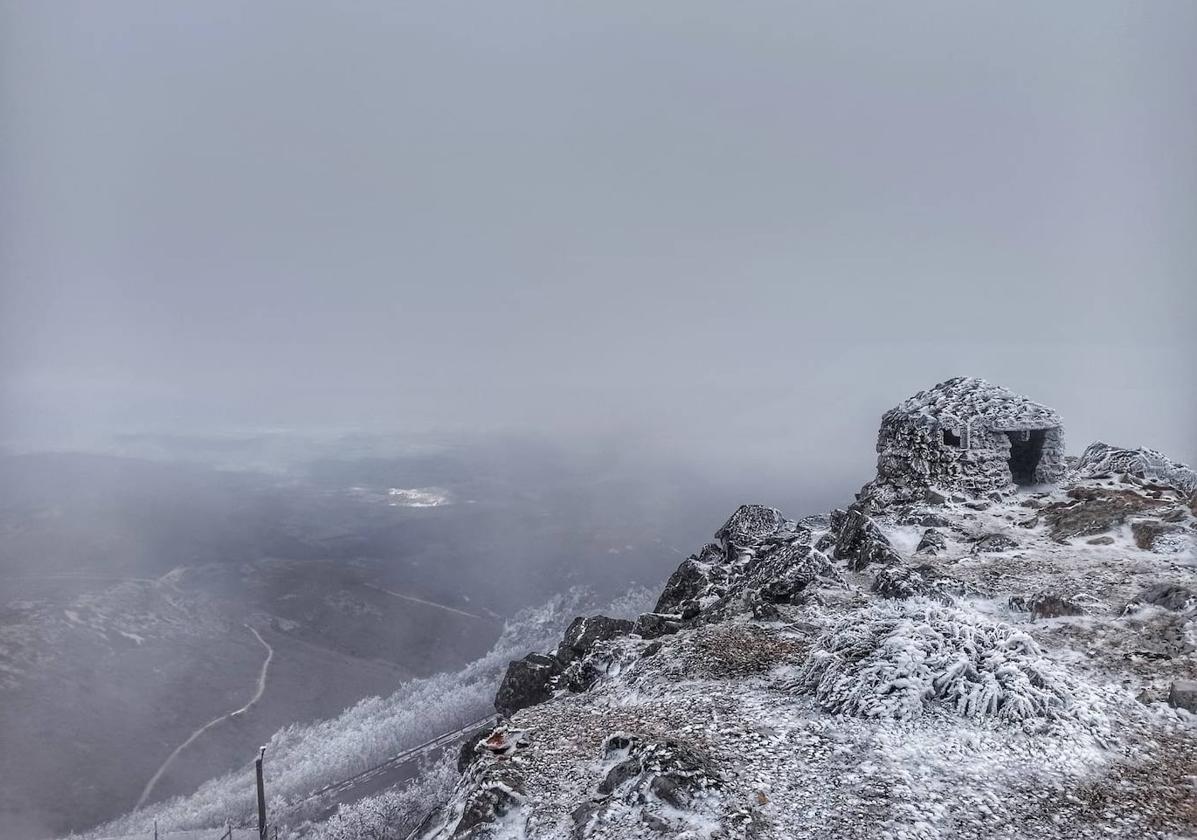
(305, 757)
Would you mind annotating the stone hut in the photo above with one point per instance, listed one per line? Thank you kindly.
(969, 436)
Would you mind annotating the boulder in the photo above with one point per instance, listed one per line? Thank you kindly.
(654, 625)
(751, 524)
(1183, 695)
(1102, 459)
(469, 748)
(583, 632)
(1170, 596)
(991, 543)
(901, 582)
(1160, 537)
(932, 542)
(1047, 605)
(1096, 510)
(528, 682)
(500, 792)
(691, 580)
(861, 543)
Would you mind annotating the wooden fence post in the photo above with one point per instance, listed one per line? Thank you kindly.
(261, 794)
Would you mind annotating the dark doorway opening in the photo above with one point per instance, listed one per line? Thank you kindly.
(950, 438)
(1026, 448)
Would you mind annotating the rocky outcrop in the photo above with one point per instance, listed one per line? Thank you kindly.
(990, 543)
(1047, 605)
(925, 581)
(1170, 596)
(859, 542)
(528, 681)
(932, 542)
(661, 784)
(760, 556)
(1095, 510)
(1183, 695)
(1101, 459)
(1161, 537)
(583, 633)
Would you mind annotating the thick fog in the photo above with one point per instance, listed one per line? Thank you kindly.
(587, 275)
(740, 231)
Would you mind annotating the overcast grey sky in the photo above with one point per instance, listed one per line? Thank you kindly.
(737, 226)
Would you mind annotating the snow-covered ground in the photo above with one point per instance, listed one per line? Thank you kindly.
(1032, 703)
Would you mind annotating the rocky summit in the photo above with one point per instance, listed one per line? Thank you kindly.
(953, 659)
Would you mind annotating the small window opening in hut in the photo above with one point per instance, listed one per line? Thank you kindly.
(1026, 448)
(951, 439)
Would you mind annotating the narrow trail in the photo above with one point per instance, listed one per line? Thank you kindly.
(261, 676)
(261, 688)
(445, 607)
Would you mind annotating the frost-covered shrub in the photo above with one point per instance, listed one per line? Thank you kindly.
(890, 659)
(304, 757)
(392, 813)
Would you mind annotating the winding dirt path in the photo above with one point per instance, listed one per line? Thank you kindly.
(261, 689)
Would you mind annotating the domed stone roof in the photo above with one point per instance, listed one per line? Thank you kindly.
(966, 399)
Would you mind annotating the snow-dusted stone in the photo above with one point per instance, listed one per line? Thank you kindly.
(528, 681)
(665, 785)
(1102, 459)
(654, 625)
(925, 581)
(1170, 596)
(861, 543)
(471, 746)
(965, 435)
(991, 543)
(698, 575)
(1094, 510)
(1047, 605)
(932, 542)
(1161, 537)
(1183, 695)
(498, 794)
(584, 631)
(761, 557)
(752, 524)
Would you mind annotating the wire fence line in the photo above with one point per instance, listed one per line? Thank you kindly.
(242, 830)
(401, 758)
